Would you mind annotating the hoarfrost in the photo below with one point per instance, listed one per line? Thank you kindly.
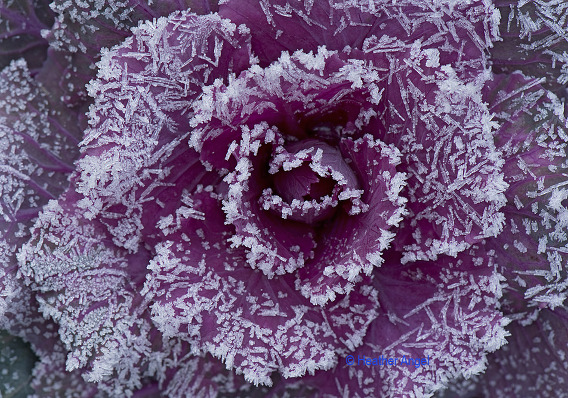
(536, 268)
(544, 373)
(439, 307)
(38, 147)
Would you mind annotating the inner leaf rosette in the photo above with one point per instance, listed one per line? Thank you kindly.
(307, 190)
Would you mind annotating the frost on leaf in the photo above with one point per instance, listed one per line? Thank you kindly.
(204, 294)
(455, 181)
(531, 250)
(49, 376)
(137, 143)
(534, 41)
(87, 25)
(198, 376)
(35, 159)
(21, 23)
(354, 244)
(430, 109)
(443, 309)
(84, 285)
(459, 31)
(91, 288)
(532, 363)
(51, 379)
(84, 29)
(39, 145)
(170, 222)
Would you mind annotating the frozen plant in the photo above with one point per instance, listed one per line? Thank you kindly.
(233, 200)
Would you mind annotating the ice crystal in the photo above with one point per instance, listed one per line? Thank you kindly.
(82, 25)
(34, 164)
(306, 97)
(103, 321)
(531, 250)
(426, 90)
(21, 23)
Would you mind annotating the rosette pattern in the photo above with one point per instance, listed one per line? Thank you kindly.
(279, 185)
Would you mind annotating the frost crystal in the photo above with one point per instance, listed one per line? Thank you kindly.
(539, 370)
(83, 25)
(103, 320)
(426, 98)
(34, 163)
(535, 241)
(21, 23)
